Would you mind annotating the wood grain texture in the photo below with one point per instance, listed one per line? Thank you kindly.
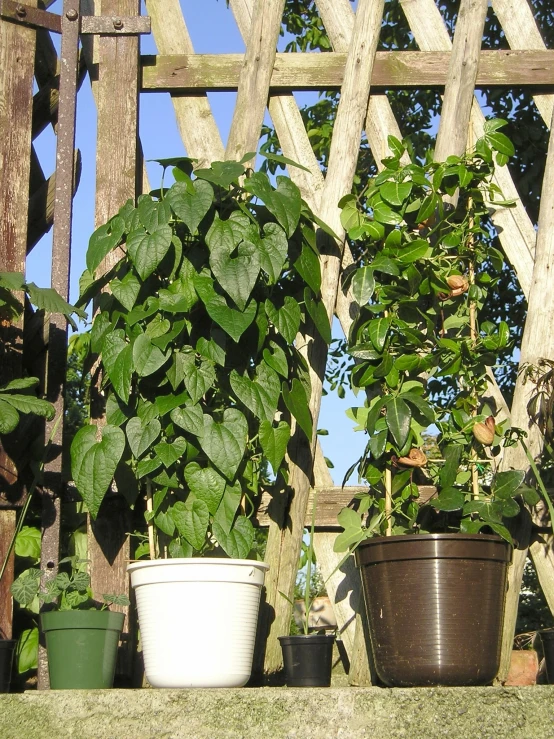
(516, 231)
(460, 85)
(516, 19)
(117, 102)
(537, 343)
(117, 179)
(7, 528)
(255, 76)
(196, 123)
(17, 52)
(188, 72)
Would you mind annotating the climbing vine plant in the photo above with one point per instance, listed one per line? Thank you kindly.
(196, 333)
(426, 275)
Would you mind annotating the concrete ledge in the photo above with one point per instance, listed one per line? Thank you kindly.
(268, 713)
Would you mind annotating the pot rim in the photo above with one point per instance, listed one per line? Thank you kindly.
(458, 535)
(308, 637)
(202, 561)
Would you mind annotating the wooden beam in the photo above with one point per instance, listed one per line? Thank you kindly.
(117, 180)
(180, 73)
(331, 500)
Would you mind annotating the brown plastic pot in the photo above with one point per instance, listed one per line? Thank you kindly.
(435, 606)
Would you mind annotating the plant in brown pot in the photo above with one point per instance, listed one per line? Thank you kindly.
(433, 567)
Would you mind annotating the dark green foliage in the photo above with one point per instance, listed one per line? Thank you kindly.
(196, 344)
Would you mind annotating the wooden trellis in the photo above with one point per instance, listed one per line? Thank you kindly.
(264, 79)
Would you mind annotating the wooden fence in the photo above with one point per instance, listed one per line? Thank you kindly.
(263, 80)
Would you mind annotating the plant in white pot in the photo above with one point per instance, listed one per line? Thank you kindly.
(195, 336)
(424, 354)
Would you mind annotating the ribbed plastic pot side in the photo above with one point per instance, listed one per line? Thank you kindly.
(435, 606)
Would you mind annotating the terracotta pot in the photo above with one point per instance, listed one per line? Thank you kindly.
(524, 668)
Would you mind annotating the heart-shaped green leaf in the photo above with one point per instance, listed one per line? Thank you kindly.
(274, 442)
(221, 236)
(308, 267)
(147, 357)
(118, 361)
(9, 418)
(260, 395)
(126, 290)
(273, 249)
(297, 403)
(237, 275)
(318, 314)
(205, 484)
(233, 322)
(191, 520)
(190, 207)
(238, 542)
(142, 435)
(170, 453)
(198, 378)
(93, 463)
(228, 507)
(153, 214)
(276, 358)
(148, 249)
(285, 203)
(190, 418)
(224, 443)
(103, 241)
(285, 319)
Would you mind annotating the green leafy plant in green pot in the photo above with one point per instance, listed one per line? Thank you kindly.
(19, 408)
(423, 357)
(195, 332)
(82, 634)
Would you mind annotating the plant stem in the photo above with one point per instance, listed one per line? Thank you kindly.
(152, 543)
(307, 587)
(388, 499)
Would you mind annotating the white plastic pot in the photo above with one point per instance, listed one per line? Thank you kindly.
(197, 620)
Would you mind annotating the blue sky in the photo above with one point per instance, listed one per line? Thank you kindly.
(160, 138)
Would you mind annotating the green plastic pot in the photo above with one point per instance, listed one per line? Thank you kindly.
(81, 647)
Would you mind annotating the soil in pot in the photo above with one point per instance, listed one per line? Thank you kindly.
(7, 649)
(308, 659)
(435, 607)
(82, 648)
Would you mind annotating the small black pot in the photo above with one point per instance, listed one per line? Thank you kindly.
(308, 660)
(7, 648)
(547, 638)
